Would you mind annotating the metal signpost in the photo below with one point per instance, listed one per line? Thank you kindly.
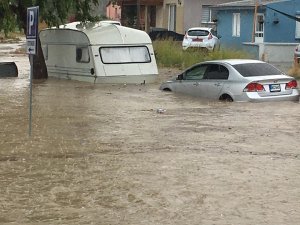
(31, 40)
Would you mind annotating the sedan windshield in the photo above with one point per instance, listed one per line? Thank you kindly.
(256, 69)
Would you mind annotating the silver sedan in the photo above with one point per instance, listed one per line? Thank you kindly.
(235, 80)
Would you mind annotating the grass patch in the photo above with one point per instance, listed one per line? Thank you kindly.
(295, 71)
(170, 54)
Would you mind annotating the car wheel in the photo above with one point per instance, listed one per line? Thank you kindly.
(226, 98)
(166, 89)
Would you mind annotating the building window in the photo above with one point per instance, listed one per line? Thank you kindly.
(130, 54)
(172, 17)
(82, 55)
(297, 33)
(236, 25)
(259, 27)
(207, 14)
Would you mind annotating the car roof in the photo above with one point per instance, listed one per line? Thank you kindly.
(235, 61)
(200, 28)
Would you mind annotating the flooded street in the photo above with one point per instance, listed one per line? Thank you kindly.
(101, 154)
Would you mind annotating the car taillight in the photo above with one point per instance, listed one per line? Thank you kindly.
(209, 36)
(254, 87)
(291, 85)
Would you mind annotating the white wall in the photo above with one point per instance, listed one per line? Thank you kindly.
(277, 52)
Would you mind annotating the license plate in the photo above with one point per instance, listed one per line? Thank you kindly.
(198, 40)
(274, 87)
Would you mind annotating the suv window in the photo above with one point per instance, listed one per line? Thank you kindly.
(198, 32)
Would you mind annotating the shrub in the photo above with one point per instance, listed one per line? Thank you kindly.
(170, 54)
(295, 71)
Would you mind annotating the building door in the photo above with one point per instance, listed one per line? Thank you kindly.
(259, 28)
(172, 17)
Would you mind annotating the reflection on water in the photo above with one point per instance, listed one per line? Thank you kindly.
(101, 154)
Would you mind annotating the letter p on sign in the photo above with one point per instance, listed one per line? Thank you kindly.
(32, 22)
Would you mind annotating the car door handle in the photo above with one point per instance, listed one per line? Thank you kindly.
(217, 84)
(196, 84)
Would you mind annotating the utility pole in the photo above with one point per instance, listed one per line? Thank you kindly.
(254, 22)
(138, 14)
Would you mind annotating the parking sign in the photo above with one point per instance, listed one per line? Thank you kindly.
(32, 29)
(31, 36)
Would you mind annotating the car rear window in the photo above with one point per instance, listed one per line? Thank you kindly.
(256, 69)
(198, 32)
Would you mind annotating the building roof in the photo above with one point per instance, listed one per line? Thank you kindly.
(246, 3)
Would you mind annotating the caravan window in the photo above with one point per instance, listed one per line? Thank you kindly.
(129, 54)
(82, 55)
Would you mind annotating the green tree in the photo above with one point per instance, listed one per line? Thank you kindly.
(13, 14)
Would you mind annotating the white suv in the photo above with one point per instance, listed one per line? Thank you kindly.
(201, 37)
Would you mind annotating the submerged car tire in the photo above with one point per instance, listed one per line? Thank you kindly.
(166, 89)
(226, 98)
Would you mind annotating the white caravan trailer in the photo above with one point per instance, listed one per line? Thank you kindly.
(105, 53)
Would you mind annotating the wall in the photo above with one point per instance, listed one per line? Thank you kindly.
(224, 27)
(113, 12)
(192, 14)
(159, 16)
(193, 11)
(180, 19)
(252, 49)
(188, 13)
(162, 15)
(278, 52)
(284, 31)
(269, 52)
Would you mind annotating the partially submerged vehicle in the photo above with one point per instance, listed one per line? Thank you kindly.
(103, 53)
(238, 80)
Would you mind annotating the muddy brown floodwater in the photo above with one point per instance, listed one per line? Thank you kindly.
(101, 154)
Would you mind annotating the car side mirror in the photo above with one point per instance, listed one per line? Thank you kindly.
(180, 77)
